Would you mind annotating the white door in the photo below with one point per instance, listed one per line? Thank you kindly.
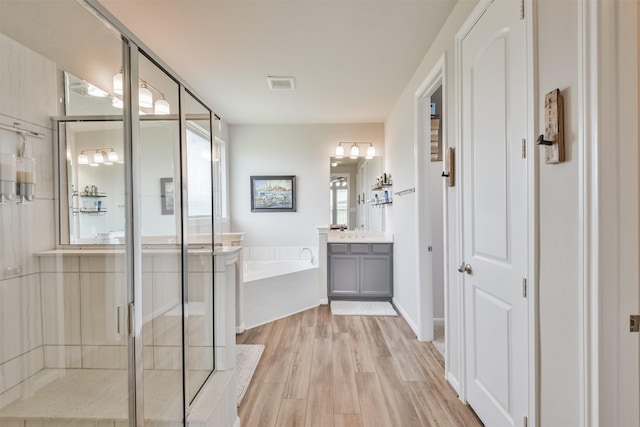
(494, 191)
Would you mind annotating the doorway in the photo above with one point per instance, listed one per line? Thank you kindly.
(431, 243)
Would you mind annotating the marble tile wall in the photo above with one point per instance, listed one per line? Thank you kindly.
(28, 101)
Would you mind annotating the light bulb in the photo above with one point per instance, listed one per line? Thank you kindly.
(371, 151)
(112, 156)
(145, 97)
(117, 83)
(83, 159)
(93, 164)
(354, 152)
(98, 157)
(162, 106)
(340, 151)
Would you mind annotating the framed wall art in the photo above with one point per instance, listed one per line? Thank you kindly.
(273, 193)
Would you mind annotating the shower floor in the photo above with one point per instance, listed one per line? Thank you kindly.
(73, 397)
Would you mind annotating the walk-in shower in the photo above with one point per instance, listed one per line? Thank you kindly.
(106, 280)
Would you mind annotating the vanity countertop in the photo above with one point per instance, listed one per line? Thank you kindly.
(359, 237)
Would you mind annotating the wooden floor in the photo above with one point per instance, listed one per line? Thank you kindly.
(323, 370)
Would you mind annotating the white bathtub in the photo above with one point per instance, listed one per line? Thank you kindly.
(276, 289)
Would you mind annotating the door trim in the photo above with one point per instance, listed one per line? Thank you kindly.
(588, 212)
(532, 199)
(435, 78)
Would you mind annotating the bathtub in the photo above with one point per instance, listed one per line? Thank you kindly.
(272, 290)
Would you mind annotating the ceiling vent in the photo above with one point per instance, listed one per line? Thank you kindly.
(281, 82)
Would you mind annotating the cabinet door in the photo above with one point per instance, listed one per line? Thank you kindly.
(376, 278)
(343, 271)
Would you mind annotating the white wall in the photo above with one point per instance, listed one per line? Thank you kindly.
(559, 211)
(399, 159)
(300, 150)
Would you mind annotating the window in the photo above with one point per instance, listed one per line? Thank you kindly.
(199, 172)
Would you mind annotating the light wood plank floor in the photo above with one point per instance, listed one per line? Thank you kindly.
(342, 371)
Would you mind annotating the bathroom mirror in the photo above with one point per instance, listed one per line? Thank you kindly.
(350, 183)
(92, 177)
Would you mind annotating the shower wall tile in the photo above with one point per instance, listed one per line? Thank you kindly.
(56, 422)
(167, 263)
(100, 294)
(167, 291)
(20, 316)
(57, 264)
(17, 370)
(167, 358)
(167, 331)
(61, 310)
(103, 263)
(200, 262)
(62, 356)
(147, 332)
(104, 357)
(147, 263)
(26, 76)
(147, 353)
(12, 423)
(200, 358)
(199, 284)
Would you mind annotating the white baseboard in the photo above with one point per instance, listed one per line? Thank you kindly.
(438, 321)
(406, 317)
(240, 329)
(454, 383)
(237, 423)
(324, 301)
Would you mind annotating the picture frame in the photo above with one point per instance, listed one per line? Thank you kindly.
(167, 196)
(273, 193)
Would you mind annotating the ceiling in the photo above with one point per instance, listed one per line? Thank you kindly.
(351, 59)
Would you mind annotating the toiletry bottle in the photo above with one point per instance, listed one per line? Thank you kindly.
(386, 196)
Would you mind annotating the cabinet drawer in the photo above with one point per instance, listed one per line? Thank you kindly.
(359, 248)
(338, 248)
(381, 248)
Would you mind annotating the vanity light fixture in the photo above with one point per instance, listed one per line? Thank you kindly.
(96, 156)
(145, 96)
(354, 152)
(340, 151)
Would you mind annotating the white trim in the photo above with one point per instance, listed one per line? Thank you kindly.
(237, 423)
(588, 213)
(454, 382)
(434, 79)
(439, 321)
(405, 316)
(533, 232)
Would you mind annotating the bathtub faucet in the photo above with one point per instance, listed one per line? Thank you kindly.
(313, 259)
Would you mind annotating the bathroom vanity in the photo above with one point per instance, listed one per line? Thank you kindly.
(359, 267)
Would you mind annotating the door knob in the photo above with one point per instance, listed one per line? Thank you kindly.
(464, 268)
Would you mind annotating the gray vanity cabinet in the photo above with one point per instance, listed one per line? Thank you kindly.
(360, 271)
